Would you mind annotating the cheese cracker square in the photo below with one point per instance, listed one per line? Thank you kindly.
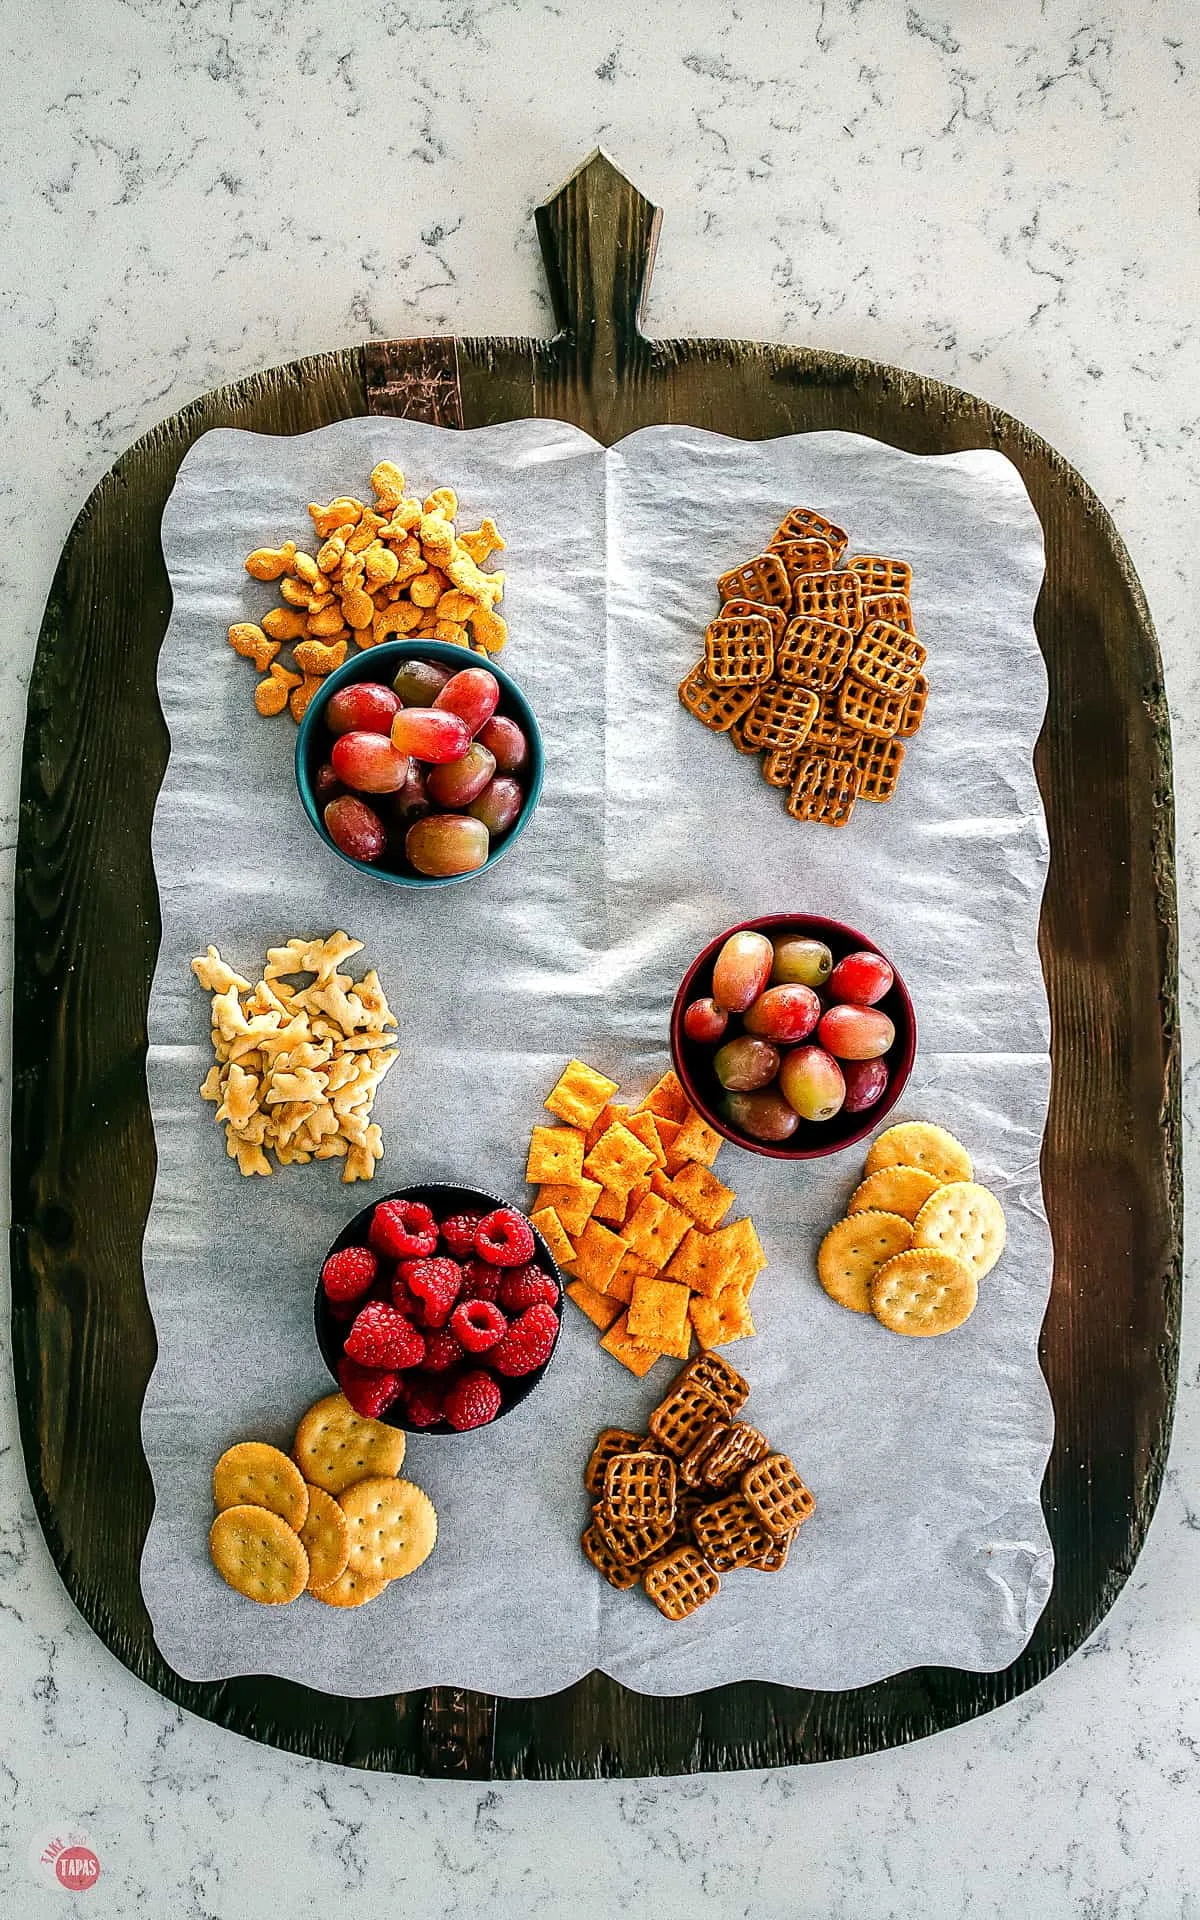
(580, 1096)
(550, 1227)
(597, 1256)
(633, 1200)
(632, 1268)
(618, 1159)
(667, 1131)
(555, 1156)
(601, 1124)
(667, 1097)
(634, 1354)
(701, 1195)
(642, 1127)
(599, 1307)
(700, 1262)
(696, 1140)
(573, 1205)
(611, 1205)
(656, 1229)
(658, 1314)
(743, 1245)
(721, 1320)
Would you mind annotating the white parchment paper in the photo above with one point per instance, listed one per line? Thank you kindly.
(928, 1544)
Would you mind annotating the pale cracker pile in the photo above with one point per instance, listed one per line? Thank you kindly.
(627, 1204)
(919, 1234)
(297, 1066)
(391, 571)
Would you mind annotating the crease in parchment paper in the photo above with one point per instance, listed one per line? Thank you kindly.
(928, 1544)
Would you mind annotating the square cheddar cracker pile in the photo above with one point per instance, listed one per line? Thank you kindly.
(629, 1206)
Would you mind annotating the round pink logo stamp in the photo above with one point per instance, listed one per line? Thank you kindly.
(64, 1857)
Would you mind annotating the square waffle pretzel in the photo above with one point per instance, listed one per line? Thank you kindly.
(829, 732)
(781, 716)
(836, 597)
(879, 763)
(893, 607)
(779, 765)
(762, 578)
(691, 1465)
(778, 1495)
(631, 1545)
(879, 575)
(813, 653)
(757, 609)
(739, 1447)
(680, 1582)
(804, 523)
(825, 788)
(775, 1558)
(713, 1373)
(679, 1419)
(619, 1572)
(886, 657)
(612, 1441)
(914, 708)
(739, 652)
(868, 709)
(639, 1489)
(687, 1506)
(737, 733)
(729, 1533)
(714, 707)
(804, 556)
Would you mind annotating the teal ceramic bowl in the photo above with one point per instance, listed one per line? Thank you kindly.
(383, 663)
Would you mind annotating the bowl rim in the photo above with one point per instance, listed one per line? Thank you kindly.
(523, 1387)
(817, 926)
(441, 653)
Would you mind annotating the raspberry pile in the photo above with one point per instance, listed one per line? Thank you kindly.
(438, 1316)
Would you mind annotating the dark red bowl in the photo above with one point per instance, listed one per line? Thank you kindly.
(442, 1201)
(813, 1139)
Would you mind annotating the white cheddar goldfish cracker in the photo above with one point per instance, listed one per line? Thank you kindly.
(400, 568)
(297, 1066)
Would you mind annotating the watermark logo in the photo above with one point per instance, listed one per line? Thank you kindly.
(64, 1857)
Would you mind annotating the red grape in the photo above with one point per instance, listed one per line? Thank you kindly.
(866, 1082)
(365, 707)
(369, 763)
(473, 694)
(743, 1064)
(462, 781)
(499, 804)
(800, 959)
(742, 970)
(705, 1021)
(503, 738)
(446, 843)
(812, 1083)
(429, 735)
(355, 828)
(419, 682)
(764, 1116)
(856, 1033)
(784, 1013)
(412, 800)
(326, 785)
(862, 978)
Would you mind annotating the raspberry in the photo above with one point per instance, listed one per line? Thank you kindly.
(369, 1392)
(402, 1229)
(526, 1287)
(422, 1401)
(527, 1343)
(349, 1273)
(459, 1233)
(504, 1237)
(480, 1281)
(478, 1324)
(443, 1348)
(381, 1337)
(436, 1283)
(473, 1400)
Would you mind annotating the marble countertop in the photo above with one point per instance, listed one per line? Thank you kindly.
(1005, 198)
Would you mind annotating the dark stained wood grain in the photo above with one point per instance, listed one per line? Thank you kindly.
(87, 930)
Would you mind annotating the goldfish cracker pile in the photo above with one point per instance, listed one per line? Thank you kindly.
(334, 1520)
(395, 570)
(628, 1205)
(297, 1066)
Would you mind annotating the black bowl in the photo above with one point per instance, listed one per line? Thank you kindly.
(442, 1201)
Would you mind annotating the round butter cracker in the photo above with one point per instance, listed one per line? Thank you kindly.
(253, 1474)
(334, 1446)
(966, 1220)
(393, 1527)
(326, 1539)
(902, 1190)
(916, 1143)
(258, 1555)
(853, 1251)
(923, 1292)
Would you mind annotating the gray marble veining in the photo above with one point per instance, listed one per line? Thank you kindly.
(1005, 198)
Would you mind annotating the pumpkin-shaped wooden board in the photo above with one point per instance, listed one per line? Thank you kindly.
(87, 925)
